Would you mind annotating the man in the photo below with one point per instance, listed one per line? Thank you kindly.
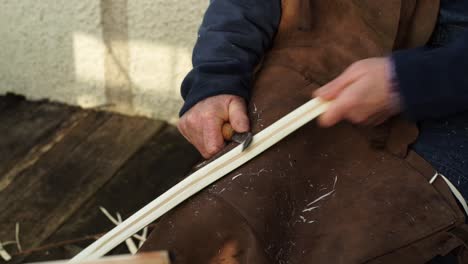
(426, 84)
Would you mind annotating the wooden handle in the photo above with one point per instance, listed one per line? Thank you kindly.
(228, 131)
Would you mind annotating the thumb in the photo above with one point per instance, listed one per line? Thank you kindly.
(238, 115)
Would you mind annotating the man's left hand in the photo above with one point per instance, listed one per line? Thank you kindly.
(362, 94)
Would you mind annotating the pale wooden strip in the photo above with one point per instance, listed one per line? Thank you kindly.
(158, 257)
(4, 254)
(202, 178)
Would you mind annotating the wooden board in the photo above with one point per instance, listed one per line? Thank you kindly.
(69, 171)
(26, 128)
(162, 162)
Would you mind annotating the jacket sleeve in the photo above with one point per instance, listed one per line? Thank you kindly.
(433, 83)
(232, 39)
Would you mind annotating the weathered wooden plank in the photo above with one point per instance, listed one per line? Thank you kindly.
(27, 174)
(45, 195)
(26, 128)
(9, 101)
(161, 163)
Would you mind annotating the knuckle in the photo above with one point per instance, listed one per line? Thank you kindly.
(191, 120)
(238, 99)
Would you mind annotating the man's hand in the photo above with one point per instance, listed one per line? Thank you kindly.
(202, 124)
(362, 94)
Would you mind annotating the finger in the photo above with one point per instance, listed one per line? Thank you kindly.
(330, 117)
(213, 140)
(332, 89)
(335, 113)
(197, 142)
(238, 115)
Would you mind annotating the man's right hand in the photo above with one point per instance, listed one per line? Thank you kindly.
(202, 124)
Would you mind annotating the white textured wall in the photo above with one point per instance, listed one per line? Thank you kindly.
(127, 55)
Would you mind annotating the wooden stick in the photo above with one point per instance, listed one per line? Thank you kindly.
(202, 178)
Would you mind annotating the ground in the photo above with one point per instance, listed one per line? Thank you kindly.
(59, 164)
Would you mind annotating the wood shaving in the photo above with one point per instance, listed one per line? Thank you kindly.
(17, 231)
(310, 209)
(144, 235)
(3, 252)
(236, 176)
(129, 241)
(321, 197)
(325, 195)
(132, 248)
(260, 171)
(109, 216)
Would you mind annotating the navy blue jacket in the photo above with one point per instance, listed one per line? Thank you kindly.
(232, 39)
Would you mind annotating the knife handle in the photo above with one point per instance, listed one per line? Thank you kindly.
(228, 131)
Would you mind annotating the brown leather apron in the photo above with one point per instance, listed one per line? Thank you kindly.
(339, 195)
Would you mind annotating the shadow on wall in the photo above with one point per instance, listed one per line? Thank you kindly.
(129, 56)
